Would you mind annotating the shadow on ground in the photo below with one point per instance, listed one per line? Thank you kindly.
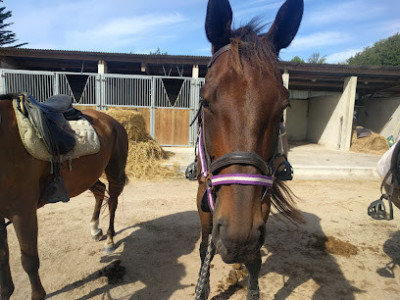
(298, 254)
(170, 237)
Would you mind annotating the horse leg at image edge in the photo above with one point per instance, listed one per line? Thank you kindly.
(253, 269)
(98, 190)
(26, 228)
(6, 283)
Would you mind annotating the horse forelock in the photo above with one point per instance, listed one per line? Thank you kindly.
(250, 48)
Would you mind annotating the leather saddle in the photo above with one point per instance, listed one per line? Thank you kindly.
(50, 118)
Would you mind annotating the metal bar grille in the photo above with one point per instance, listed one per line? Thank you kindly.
(127, 91)
(104, 90)
(88, 96)
(38, 85)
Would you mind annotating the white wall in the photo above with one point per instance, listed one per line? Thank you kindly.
(381, 116)
(296, 120)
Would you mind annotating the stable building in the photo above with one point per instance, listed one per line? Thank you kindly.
(327, 101)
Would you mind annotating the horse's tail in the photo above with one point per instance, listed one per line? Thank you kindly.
(284, 200)
(116, 167)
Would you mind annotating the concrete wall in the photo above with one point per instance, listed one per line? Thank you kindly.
(296, 120)
(324, 119)
(330, 118)
(381, 116)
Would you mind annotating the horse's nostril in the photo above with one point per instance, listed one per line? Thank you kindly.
(219, 226)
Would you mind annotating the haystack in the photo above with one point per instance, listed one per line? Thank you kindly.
(373, 144)
(145, 154)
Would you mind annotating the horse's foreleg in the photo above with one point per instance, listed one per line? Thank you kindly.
(253, 269)
(6, 283)
(98, 190)
(26, 228)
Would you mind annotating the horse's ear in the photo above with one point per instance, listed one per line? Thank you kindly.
(286, 24)
(218, 23)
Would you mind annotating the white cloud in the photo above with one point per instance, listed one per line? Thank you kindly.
(318, 40)
(342, 56)
(123, 32)
(348, 12)
(389, 27)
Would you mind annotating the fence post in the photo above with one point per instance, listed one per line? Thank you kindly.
(152, 106)
(56, 84)
(100, 91)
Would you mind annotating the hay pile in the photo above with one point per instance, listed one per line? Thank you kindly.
(145, 154)
(373, 144)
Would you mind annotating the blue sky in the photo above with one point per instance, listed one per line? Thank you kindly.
(336, 29)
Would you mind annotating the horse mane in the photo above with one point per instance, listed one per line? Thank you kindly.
(250, 48)
(283, 199)
(253, 50)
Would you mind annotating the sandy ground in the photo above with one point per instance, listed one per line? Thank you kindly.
(158, 238)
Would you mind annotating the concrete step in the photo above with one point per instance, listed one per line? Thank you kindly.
(310, 162)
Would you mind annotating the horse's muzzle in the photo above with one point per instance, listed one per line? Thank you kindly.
(236, 246)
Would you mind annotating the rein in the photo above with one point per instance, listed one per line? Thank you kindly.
(208, 168)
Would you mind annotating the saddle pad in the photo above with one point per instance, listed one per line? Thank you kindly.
(87, 141)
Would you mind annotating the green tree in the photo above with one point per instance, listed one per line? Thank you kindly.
(297, 59)
(158, 52)
(7, 37)
(316, 58)
(385, 52)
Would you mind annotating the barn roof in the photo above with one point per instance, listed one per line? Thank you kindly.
(302, 76)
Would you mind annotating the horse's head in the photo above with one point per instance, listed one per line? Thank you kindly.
(243, 101)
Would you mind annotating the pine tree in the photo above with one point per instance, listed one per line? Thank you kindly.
(7, 37)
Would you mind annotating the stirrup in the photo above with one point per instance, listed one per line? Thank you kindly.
(286, 173)
(191, 171)
(377, 209)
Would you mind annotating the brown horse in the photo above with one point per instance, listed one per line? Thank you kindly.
(23, 180)
(242, 102)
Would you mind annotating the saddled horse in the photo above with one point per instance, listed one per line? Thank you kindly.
(242, 102)
(23, 180)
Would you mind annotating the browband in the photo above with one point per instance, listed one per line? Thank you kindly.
(218, 53)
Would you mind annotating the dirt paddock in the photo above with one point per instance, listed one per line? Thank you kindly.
(340, 254)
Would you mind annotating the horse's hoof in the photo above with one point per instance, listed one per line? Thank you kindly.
(98, 235)
(253, 294)
(109, 248)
